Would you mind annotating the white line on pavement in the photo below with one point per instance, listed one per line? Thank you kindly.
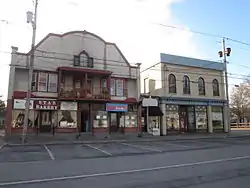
(142, 147)
(49, 152)
(98, 149)
(122, 172)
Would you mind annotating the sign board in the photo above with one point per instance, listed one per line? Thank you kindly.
(19, 104)
(149, 102)
(156, 132)
(111, 107)
(68, 106)
(46, 105)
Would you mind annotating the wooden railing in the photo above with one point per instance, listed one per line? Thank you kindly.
(85, 93)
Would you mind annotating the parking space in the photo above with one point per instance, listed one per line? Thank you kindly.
(74, 151)
(23, 153)
(113, 149)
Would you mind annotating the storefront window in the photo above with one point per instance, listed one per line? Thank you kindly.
(100, 119)
(217, 117)
(67, 116)
(172, 117)
(18, 118)
(130, 119)
(201, 117)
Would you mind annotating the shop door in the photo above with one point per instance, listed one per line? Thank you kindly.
(85, 124)
(113, 122)
(191, 119)
(45, 121)
(183, 118)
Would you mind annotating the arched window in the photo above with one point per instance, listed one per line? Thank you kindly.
(216, 89)
(83, 59)
(186, 85)
(201, 86)
(171, 83)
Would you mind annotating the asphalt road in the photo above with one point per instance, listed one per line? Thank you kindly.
(191, 163)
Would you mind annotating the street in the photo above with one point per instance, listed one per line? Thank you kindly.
(195, 163)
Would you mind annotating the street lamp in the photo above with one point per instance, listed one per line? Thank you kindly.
(31, 18)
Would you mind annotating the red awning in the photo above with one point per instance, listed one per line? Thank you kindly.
(93, 71)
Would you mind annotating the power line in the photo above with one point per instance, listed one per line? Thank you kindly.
(203, 33)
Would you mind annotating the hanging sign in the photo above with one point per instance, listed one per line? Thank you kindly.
(46, 105)
(111, 107)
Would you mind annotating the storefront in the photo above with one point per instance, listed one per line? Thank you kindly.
(192, 115)
(67, 117)
(18, 116)
(46, 112)
(121, 117)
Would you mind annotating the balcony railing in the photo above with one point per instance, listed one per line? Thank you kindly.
(94, 93)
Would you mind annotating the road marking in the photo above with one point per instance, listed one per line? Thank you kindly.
(98, 149)
(49, 152)
(142, 147)
(122, 172)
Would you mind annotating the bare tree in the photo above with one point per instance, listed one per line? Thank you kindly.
(240, 101)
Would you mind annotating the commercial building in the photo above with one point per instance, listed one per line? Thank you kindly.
(191, 94)
(80, 82)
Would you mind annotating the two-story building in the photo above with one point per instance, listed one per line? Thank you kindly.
(191, 94)
(80, 82)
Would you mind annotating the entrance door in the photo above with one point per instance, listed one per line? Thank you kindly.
(85, 124)
(183, 118)
(114, 124)
(191, 119)
(45, 121)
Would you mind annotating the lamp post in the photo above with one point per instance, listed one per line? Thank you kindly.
(31, 18)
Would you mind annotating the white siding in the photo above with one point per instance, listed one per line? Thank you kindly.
(132, 88)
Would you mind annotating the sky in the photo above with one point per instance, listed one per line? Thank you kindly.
(134, 26)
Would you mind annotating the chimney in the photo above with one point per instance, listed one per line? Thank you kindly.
(151, 85)
(14, 49)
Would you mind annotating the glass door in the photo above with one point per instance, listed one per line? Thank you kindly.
(113, 122)
(45, 121)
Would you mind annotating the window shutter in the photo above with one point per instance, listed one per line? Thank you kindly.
(76, 60)
(91, 62)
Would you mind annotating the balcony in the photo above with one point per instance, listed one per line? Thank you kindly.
(85, 93)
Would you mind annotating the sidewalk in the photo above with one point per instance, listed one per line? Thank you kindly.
(66, 138)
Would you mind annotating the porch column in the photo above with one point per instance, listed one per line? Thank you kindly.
(225, 119)
(163, 125)
(209, 119)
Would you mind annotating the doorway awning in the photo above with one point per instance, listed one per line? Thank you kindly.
(153, 111)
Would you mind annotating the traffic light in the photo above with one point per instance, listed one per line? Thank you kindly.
(220, 54)
(228, 51)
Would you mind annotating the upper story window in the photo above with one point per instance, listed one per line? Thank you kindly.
(186, 85)
(172, 83)
(216, 88)
(44, 82)
(83, 60)
(117, 87)
(201, 86)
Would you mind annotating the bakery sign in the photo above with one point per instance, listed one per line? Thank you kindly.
(46, 105)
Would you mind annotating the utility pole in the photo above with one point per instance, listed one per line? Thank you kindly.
(31, 18)
(226, 52)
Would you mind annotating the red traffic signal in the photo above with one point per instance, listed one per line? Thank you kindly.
(220, 54)
(228, 51)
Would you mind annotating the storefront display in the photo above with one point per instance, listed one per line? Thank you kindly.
(100, 119)
(172, 117)
(18, 118)
(67, 116)
(130, 119)
(217, 118)
(201, 118)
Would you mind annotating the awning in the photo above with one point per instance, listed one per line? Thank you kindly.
(81, 69)
(153, 111)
